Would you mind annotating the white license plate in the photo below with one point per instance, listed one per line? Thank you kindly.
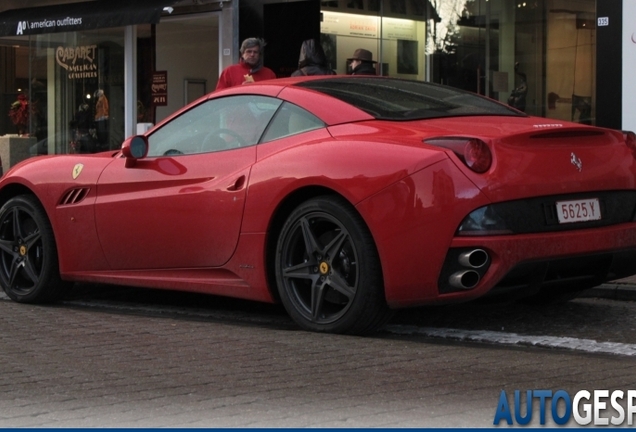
(578, 210)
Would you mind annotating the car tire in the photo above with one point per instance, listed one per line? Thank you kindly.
(328, 270)
(29, 269)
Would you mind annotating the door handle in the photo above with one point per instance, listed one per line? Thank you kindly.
(238, 184)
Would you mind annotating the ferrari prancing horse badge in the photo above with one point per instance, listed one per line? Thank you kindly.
(77, 169)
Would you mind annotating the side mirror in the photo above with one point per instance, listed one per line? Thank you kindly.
(135, 147)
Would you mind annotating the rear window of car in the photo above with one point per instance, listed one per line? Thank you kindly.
(397, 99)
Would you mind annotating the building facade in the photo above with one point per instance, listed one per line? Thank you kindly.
(80, 76)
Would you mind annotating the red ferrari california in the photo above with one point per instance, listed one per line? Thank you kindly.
(341, 197)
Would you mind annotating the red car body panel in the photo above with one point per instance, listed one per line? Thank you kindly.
(192, 201)
(203, 222)
(74, 224)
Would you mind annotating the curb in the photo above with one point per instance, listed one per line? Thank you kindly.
(613, 291)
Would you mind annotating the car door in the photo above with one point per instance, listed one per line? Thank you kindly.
(182, 205)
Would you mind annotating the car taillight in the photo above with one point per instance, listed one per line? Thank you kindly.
(473, 152)
(630, 141)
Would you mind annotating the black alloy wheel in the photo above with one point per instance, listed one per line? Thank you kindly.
(328, 271)
(29, 269)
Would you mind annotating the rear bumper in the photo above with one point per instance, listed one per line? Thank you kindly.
(583, 258)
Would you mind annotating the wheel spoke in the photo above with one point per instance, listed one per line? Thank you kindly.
(17, 228)
(300, 271)
(32, 238)
(7, 246)
(317, 300)
(335, 245)
(311, 244)
(30, 272)
(29, 240)
(338, 283)
(14, 269)
(10, 247)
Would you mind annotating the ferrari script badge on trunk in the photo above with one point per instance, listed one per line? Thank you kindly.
(576, 162)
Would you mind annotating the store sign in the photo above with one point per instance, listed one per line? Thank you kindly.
(79, 62)
(349, 24)
(78, 15)
(160, 88)
(344, 24)
(46, 25)
(399, 29)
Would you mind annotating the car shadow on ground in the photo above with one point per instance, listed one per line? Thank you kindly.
(589, 318)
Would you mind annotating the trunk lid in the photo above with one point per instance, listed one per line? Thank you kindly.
(536, 156)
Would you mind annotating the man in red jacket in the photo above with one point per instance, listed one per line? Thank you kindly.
(250, 67)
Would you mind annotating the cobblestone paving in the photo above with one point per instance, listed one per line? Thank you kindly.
(68, 366)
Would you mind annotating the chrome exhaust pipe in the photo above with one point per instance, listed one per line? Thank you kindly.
(465, 279)
(474, 259)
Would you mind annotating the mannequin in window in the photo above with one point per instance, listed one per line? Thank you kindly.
(101, 119)
(101, 106)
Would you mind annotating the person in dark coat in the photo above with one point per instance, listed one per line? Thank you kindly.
(312, 60)
(362, 63)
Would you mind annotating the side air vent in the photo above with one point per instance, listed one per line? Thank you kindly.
(74, 196)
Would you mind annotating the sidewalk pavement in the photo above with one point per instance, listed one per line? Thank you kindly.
(620, 289)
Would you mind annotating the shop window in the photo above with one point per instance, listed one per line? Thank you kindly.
(73, 83)
(394, 31)
(536, 56)
(571, 63)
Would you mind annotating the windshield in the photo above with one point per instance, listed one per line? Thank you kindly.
(396, 99)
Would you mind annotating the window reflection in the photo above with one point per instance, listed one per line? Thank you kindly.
(537, 56)
(215, 125)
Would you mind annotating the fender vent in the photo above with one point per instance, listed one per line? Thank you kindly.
(74, 196)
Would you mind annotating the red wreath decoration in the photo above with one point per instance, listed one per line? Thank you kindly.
(19, 112)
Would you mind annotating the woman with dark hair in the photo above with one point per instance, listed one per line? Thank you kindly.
(312, 60)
